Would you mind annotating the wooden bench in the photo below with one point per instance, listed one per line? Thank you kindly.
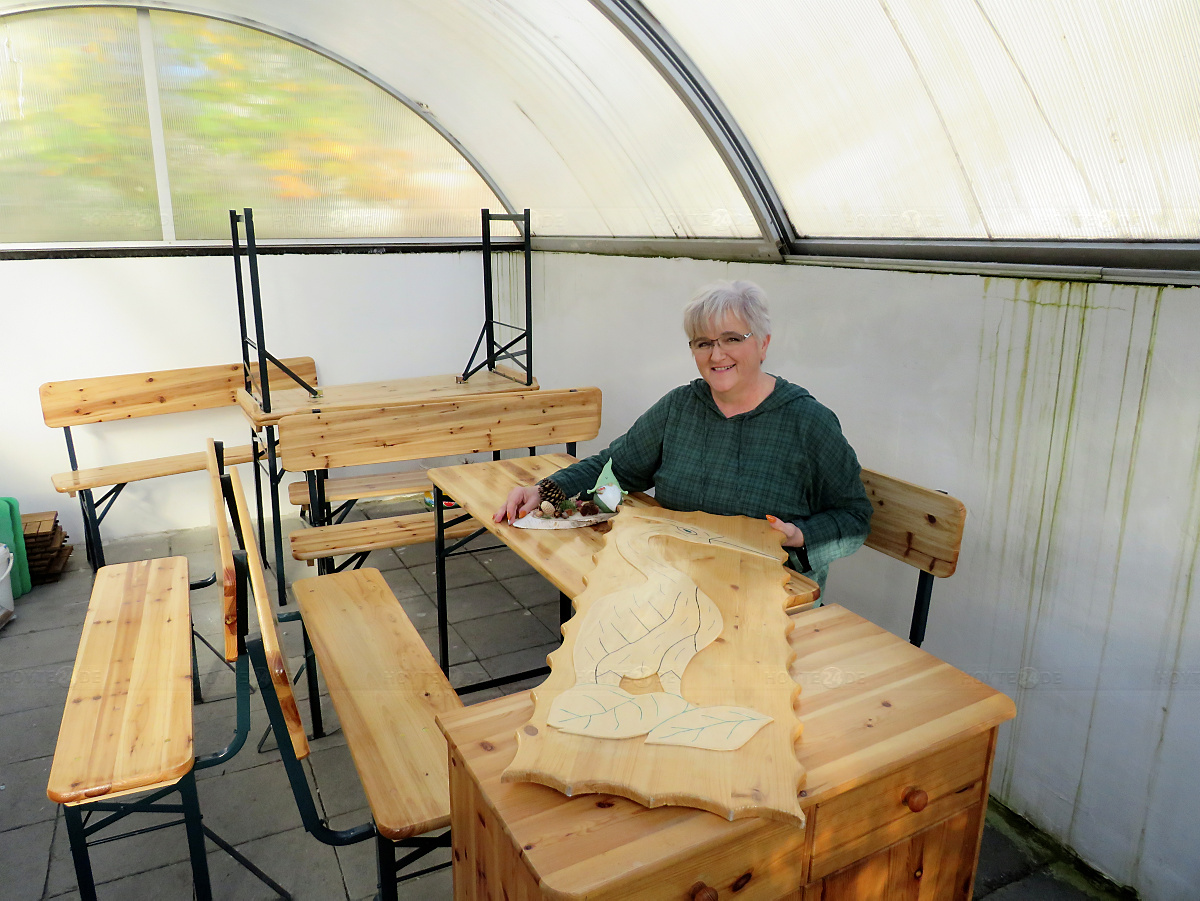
(317, 442)
(920, 527)
(106, 399)
(127, 725)
(387, 690)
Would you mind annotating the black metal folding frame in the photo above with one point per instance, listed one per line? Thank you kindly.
(389, 869)
(78, 817)
(495, 351)
(265, 446)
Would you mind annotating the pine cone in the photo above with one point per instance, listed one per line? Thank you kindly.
(552, 493)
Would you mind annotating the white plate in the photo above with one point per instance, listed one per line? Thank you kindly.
(574, 521)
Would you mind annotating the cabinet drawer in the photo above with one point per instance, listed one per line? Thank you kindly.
(873, 816)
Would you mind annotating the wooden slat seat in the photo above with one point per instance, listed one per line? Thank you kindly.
(109, 398)
(430, 428)
(276, 660)
(917, 526)
(387, 690)
(118, 473)
(76, 402)
(370, 535)
(388, 484)
(127, 724)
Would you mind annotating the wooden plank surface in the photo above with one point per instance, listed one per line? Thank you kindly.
(265, 609)
(387, 484)
(128, 718)
(222, 552)
(563, 556)
(695, 603)
(871, 704)
(118, 473)
(286, 402)
(920, 526)
(370, 535)
(387, 689)
(438, 428)
(108, 398)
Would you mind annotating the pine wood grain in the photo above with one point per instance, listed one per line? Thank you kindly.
(107, 398)
(387, 484)
(387, 690)
(563, 556)
(118, 473)
(128, 718)
(222, 553)
(872, 706)
(919, 526)
(664, 559)
(363, 395)
(438, 428)
(370, 535)
(276, 660)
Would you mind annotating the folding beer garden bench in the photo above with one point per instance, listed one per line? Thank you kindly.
(387, 690)
(127, 727)
(920, 527)
(108, 398)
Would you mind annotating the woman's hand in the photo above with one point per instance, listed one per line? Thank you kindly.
(520, 501)
(792, 536)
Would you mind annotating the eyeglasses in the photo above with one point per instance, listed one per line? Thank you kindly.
(728, 341)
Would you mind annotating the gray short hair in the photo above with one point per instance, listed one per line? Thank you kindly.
(712, 302)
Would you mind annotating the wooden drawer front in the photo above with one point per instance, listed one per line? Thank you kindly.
(871, 817)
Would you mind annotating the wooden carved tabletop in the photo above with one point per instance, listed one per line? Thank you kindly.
(672, 685)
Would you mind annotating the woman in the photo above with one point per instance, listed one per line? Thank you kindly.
(735, 441)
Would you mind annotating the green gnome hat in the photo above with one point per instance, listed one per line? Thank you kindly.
(607, 491)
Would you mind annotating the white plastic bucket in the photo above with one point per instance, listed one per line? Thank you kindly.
(7, 558)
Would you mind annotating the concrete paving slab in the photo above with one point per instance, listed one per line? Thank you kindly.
(474, 601)
(502, 633)
(25, 860)
(531, 591)
(23, 793)
(460, 571)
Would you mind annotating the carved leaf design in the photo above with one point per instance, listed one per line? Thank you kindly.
(606, 711)
(711, 728)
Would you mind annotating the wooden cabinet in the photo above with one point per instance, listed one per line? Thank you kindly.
(898, 752)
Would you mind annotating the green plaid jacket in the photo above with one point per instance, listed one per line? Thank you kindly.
(786, 457)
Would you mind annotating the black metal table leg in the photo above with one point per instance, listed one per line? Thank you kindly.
(195, 837)
(79, 853)
(439, 548)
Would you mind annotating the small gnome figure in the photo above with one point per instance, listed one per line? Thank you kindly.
(607, 491)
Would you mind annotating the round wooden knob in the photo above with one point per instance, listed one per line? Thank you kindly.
(702, 892)
(916, 800)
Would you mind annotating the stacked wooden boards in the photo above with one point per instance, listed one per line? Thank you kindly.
(45, 546)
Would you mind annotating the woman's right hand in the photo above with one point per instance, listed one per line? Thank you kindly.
(520, 501)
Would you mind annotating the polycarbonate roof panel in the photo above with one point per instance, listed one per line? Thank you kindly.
(1047, 119)
(547, 96)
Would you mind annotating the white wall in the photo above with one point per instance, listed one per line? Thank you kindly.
(362, 317)
(1066, 417)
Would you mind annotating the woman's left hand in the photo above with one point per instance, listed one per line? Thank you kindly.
(792, 536)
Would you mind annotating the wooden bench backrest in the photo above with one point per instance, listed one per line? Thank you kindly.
(312, 441)
(919, 526)
(223, 552)
(266, 624)
(113, 397)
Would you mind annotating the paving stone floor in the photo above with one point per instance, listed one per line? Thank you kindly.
(504, 619)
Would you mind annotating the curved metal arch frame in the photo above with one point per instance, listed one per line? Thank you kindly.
(307, 44)
(645, 32)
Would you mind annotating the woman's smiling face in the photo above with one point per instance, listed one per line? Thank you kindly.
(730, 367)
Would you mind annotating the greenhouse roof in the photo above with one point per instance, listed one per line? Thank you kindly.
(782, 127)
